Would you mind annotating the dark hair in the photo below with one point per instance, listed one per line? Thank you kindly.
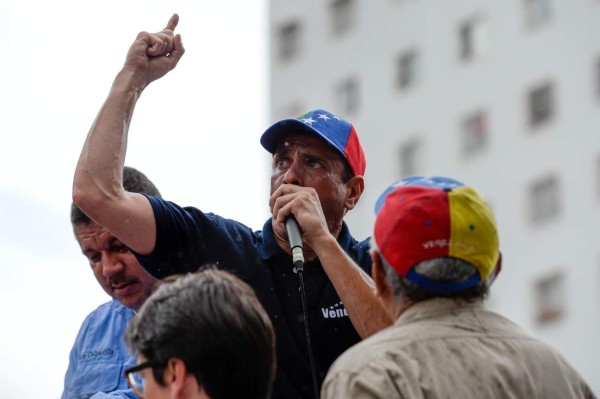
(214, 323)
(133, 181)
(445, 269)
(347, 173)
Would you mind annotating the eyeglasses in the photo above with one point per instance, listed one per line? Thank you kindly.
(135, 379)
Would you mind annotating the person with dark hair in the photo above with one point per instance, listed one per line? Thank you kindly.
(317, 177)
(435, 251)
(202, 335)
(99, 354)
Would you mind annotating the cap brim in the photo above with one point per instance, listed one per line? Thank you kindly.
(270, 138)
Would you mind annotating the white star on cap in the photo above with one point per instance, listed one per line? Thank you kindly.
(337, 118)
(324, 117)
(309, 121)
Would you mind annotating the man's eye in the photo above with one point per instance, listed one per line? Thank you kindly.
(95, 258)
(312, 163)
(122, 250)
(280, 163)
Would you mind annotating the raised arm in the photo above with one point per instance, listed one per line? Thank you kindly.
(98, 185)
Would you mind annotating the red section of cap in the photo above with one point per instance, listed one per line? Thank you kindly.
(412, 226)
(355, 155)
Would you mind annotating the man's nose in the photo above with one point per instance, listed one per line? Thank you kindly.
(294, 173)
(111, 264)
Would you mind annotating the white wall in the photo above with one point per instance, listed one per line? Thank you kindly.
(564, 51)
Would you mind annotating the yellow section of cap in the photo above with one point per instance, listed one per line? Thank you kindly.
(473, 232)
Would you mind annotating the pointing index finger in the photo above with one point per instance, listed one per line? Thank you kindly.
(173, 21)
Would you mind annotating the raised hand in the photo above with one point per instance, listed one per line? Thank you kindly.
(152, 55)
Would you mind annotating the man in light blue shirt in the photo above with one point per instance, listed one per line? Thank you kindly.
(99, 355)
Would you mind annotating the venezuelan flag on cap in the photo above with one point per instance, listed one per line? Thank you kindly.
(337, 132)
(421, 218)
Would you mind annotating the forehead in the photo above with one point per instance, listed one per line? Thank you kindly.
(306, 141)
(92, 235)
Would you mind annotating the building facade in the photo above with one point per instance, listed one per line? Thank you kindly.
(503, 95)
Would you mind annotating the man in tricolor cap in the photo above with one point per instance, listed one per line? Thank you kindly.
(435, 251)
(317, 176)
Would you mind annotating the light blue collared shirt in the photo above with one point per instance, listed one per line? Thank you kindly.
(99, 356)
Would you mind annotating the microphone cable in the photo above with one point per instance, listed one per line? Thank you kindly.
(295, 238)
(311, 357)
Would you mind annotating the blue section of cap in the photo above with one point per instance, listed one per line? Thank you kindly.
(439, 287)
(336, 133)
(439, 182)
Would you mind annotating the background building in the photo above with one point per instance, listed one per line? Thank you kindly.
(503, 95)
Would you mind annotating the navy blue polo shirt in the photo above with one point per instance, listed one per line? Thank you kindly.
(187, 238)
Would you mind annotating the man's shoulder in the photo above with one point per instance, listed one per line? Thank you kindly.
(111, 306)
(102, 331)
(367, 365)
(358, 250)
(109, 310)
(167, 212)
(367, 351)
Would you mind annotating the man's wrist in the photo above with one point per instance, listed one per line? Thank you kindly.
(324, 244)
(128, 82)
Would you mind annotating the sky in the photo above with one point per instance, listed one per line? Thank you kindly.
(195, 133)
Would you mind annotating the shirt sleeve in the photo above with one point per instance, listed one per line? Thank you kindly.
(187, 239)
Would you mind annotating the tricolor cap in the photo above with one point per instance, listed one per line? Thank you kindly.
(337, 132)
(421, 218)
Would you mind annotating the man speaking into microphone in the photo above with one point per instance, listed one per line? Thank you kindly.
(317, 176)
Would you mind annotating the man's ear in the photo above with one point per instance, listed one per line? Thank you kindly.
(496, 271)
(175, 377)
(499, 264)
(382, 288)
(356, 186)
(384, 292)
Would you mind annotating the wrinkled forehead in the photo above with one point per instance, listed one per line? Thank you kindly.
(92, 234)
(307, 142)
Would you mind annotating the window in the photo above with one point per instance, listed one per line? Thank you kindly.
(473, 39)
(289, 37)
(407, 66)
(550, 298)
(347, 96)
(474, 133)
(342, 15)
(541, 104)
(544, 199)
(537, 12)
(410, 154)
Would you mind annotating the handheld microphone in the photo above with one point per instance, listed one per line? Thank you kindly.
(295, 238)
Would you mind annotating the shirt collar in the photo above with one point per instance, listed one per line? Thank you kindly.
(435, 307)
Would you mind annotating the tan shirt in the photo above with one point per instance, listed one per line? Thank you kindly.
(439, 349)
